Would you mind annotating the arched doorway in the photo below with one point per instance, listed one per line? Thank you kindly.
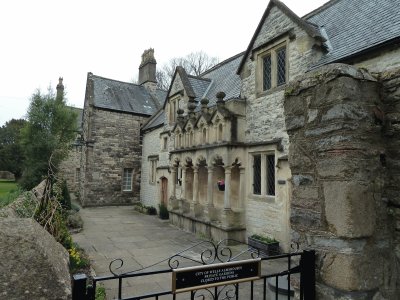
(164, 191)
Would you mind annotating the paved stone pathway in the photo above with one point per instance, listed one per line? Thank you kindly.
(139, 240)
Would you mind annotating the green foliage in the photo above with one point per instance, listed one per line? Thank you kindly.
(26, 208)
(46, 137)
(163, 211)
(11, 154)
(65, 196)
(151, 210)
(264, 239)
(77, 258)
(100, 293)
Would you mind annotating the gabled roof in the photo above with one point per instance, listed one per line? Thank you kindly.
(125, 97)
(308, 28)
(221, 77)
(155, 121)
(353, 26)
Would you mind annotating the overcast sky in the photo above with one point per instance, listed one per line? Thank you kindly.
(44, 39)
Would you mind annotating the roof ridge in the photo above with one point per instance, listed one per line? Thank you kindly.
(222, 63)
(200, 78)
(131, 83)
(319, 9)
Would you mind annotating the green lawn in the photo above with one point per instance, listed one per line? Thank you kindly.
(7, 191)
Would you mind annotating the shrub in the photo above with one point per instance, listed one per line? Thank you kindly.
(65, 199)
(151, 210)
(163, 211)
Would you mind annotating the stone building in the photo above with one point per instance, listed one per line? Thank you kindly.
(113, 114)
(302, 128)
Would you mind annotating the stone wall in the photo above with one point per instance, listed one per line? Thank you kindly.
(339, 156)
(70, 169)
(115, 145)
(7, 175)
(390, 95)
(149, 192)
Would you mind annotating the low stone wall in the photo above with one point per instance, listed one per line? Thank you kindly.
(32, 264)
(338, 156)
(7, 175)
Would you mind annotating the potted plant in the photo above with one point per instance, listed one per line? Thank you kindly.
(266, 245)
(221, 185)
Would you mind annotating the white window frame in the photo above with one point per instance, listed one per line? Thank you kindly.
(127, 180)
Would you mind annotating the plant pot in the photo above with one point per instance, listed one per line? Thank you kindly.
(269, 249)
(221, 187)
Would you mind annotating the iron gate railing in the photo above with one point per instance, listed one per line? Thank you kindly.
(298, 262)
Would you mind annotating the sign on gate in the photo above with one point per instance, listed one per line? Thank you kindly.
(194, 278)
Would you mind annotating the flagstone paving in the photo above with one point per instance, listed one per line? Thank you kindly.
(140, 241)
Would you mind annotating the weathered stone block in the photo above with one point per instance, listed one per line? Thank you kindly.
(32, 265)
(349, 209)
(352, 272)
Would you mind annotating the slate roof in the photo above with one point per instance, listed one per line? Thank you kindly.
(155, 121)
(347, 27)
(125, 97)
(199, 86)
(353, 26)
(223, 79)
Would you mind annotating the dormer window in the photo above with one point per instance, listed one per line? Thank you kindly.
(204, 139)
(272, 67)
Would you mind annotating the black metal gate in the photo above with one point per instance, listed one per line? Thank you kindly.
(298, 268)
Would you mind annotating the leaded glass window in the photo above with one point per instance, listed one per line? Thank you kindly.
(257, 174)
(270, 175)
(267, 72)
(281, 66)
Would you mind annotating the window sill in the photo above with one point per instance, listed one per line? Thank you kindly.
(262, 198)
(271, 91)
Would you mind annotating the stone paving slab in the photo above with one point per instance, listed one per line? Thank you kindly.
(140, 240)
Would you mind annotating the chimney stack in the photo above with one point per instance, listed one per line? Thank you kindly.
(147, 70)
(60, 88)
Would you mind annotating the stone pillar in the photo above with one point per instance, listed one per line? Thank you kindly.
(242, 187)
(183, 187)
(173, 181)
(195, 185)
(227, 194)
(335, 154)
(210, 186)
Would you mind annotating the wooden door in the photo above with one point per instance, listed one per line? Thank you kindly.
(164, 191)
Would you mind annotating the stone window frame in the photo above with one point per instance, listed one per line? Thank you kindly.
(164, 143)
(127, 180)
(265, 192)
(271, 50)
(174, 103)
(153, 162)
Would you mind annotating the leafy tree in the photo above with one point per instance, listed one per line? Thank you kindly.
(11, 155)
(194, 63)
(47, 135)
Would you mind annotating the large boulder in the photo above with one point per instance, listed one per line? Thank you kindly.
(32, 265)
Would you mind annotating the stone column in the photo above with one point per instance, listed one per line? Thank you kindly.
(227, 195)
(173, 181)
(183, 187)
(195, 185)
(210, 186)
(242, 187)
